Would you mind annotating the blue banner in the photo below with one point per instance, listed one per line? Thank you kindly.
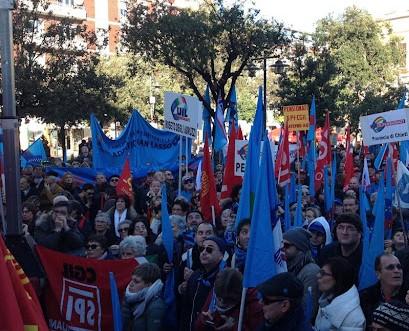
(147, 148)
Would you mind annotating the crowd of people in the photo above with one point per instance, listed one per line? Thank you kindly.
(319, 291)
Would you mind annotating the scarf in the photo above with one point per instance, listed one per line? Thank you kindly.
(118, 219)
(299, 261)
(188, 239)
(239, 258)
(142, 298)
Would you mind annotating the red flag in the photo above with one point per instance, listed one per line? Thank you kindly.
(78, 295)
(282, 165)
(302, 148)
(124, 186)
(240, 134)
(349, 162)
(324, 156)
(20, 308)
(208, 197)
(229, 179)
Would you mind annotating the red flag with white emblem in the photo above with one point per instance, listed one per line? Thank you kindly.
(324, 156)
(124, 186)
(282, 165)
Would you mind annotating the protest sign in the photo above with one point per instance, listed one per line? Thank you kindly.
(183, 114)
(240, 154)
(385, 127)
(78, 296)
(297, 117)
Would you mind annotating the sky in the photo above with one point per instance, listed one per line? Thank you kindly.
(302, 14)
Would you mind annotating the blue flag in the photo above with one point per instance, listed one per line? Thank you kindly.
(293, 188)
(207, 127)
(327, 191)
(220, 136)
(298, 222)
(232, 113)
(34, 154)
(116, 304)
(260, 262)
(379, 158)
(388, 199)
(287, 215)
(252, 165)
(403, 145)
(311, 154)
(374, 244)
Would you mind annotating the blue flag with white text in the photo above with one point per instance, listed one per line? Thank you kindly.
(34, 154)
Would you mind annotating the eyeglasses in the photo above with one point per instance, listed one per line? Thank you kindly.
(188, 181)
(347, 228)
(323, 273)
(287, 245)
(114, 180)
(92, 246)
(391, 267)
(123, 229)
(208, 249)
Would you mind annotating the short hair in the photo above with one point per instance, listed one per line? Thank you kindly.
(378, 260)
(315, 210)
(182, 203)
(179, 221)
(194, 212)
(62, 203)
(228, 285)
(103, 217)
(99, 239)
(88, 186)
(30, 206)
(125, 198)
(343, 273)
(243, 222)
(148, 272)
(136, 243)
(129, 222)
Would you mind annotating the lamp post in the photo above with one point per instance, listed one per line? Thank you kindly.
(278, 67)
(153, 91)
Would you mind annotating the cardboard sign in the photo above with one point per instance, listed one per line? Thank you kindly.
(240, 154)
(182, 113)
(297, 117)
(385, 127)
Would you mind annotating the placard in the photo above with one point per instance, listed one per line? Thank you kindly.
(240, 154)
(297, 117)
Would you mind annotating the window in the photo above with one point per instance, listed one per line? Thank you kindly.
(66, 2)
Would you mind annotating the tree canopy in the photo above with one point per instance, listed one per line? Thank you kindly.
(210, 46)
(351, 68)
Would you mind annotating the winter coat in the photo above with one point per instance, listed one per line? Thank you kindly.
(293, 321)
(343, 313)
(151, 319)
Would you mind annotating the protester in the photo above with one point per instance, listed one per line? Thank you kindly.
(133, 247)
(121, 211)
(300, 262)
(141, 228)
(389, 286)
(96, 248)
(320, 235)
(339, 307)
(180, 207)
(201, 282)
(391, 316)
(238, 260)
(29, 215)
(227, 297)
(124, 229)
(188, 187)
(193, 219)
(26, 189)
(102, 225)
(143, 308)
(282, 304)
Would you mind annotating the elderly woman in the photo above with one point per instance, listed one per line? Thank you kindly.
(96, 248)
(133, 247)
(124, 229)
(121, 211)
(102, 227)
(143, 307)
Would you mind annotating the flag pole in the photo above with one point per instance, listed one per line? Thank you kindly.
(180, 166)
(213, 216)
(186, 155)
(242, 304)
(298, 157)
(405, 236)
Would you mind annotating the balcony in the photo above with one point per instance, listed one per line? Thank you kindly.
(76, 11)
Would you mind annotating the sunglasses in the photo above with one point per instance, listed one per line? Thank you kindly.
(123, 229)
(391, 267)
(91, 246)
(208, 249)
(188, 181)
(114, 180)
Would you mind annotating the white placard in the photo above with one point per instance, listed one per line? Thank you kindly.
(240, 153)
(385, 127)
(182, 113)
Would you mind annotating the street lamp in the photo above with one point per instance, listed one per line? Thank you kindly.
(153, 91)
(278, 67)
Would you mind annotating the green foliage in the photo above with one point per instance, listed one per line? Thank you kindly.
(350, 68)
(210, 46)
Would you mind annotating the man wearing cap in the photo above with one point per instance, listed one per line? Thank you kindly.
(188, 187)
(201, 282)
(393, 316)
(300, 262)
(282, 304)
(348, 233)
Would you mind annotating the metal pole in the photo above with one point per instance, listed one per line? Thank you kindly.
(265, 93)
(10, 123)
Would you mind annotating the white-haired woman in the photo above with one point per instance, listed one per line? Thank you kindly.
(133, 247)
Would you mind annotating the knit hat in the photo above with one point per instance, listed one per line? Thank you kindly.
(283, 284)
(350, 219)
(299, 237)
(219, 242)
(393, 315)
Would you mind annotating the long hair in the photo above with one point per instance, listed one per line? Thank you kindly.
(343, 273)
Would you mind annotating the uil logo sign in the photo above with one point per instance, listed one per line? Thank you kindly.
(81, 306)
(179, 109)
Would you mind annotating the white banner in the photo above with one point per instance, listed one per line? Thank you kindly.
(182, 113)
(385, 127)
(240, 154)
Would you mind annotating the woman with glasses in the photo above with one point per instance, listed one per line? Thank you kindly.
(339, 306)
(124, 229)
(141, 228)
(96, 248)
(221, 310)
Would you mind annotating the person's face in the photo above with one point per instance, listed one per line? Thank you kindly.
(84, 151)
(347, 234)
(100, 225)
(127, 253)
(100, 179)
(188, 184)
(309, 215)
(24, 184)
(137, 284)
(159, 176)
(244, 236)
(350, 206)
(68, 179)
(351, 193)
(123, 230)
(120, 204)
(27, 215)
(177, 210)
(168, 176)
(155, 187)
(204, 231)
(90, 193)
(390, 272)
(339, 209)
(210, 254)
(60, 212)
(290, 250)
(193, 220)
(140, 229)
(274, 308)
(94, 250)
(398, 238)
(326, 280)
(225, 218)
(317, 238)
(114, 181)
(38, 171)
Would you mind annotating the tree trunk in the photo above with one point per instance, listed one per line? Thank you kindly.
(63, 142)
